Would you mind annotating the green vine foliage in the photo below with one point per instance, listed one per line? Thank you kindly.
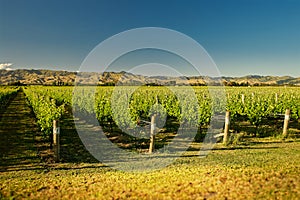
(45, 108)
(6, 93)
(257, 103)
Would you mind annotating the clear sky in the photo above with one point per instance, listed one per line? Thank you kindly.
(243, 37)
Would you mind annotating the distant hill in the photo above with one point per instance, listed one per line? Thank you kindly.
(263, 80)
(36, 77)
(51, 77)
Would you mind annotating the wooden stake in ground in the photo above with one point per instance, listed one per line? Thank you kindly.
(286, 122)
(226, 128)
(152, 133)
(243, 99)
(56, 145)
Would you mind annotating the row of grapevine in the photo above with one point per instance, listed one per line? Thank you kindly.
(6, 93)
(258, 103)
(127, 105)
(45, 108)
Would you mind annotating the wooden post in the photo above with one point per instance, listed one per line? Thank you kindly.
(276, 97)
(286, 122)
(56, 145)
(226, 128)
(243, 99)
(152, 133)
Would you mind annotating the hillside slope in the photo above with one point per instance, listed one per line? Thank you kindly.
(51, 77)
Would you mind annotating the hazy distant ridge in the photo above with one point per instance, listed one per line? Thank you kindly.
(51, 77)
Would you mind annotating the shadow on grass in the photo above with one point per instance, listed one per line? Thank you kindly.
(81, 167)
(22, 168)
(72, 148)
(18, 134)
(191, 149)
(241, 148)
(268, 127)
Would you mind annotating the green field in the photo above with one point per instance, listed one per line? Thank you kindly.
(257, 162)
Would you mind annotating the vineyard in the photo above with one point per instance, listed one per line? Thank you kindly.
(255, 107)
(256, 116)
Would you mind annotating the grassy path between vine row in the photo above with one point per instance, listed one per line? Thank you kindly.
(18, 129)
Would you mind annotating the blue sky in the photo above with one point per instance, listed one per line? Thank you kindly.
(242, 37)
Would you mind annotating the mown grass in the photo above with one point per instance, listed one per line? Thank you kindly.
(259, 169)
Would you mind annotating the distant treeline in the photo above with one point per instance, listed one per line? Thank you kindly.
(171, 83)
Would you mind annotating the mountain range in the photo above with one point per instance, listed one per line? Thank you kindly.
(51, 77)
